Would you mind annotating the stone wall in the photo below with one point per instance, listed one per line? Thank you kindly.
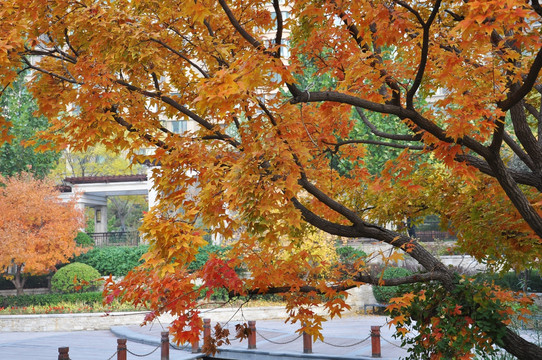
(26, 291)
(101, 321)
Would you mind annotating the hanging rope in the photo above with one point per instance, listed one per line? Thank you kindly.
(112, 356)
(391, 343)
(354, 344)
(276, 342)
(177, 347)
(143, 355)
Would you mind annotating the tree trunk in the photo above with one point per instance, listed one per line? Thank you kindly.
(19, 280)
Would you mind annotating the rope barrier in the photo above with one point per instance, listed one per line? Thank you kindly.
(354, 344)
(177, 347)
(112, 356)
(276, 342)
(389, 342)
(144, 355)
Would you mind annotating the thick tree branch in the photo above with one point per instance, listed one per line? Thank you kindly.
(528, 83)
(375, 142)
(170, 101)
(414, 116)
(423, 59)
(519, 151)
(362, 229)
(525, 135)
(329, 202)
(280, 25)
(529, 179)
(416, 278)
(50, 73)
(233, 20)
(129, 127)
(518, 198)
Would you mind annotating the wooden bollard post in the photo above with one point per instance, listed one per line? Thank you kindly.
(165, 346)
(206, 333)
(252, 335)
(195, 346)
(375, 341)
(307, 343)
(63, 353)
(121, 349)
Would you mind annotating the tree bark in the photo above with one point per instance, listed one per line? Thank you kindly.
(19, 280)
(519, 347)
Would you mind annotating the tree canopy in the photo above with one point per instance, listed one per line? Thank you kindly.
(37, 229)
(18, 107)
(454, 85)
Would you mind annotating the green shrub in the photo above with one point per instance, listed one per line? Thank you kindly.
(204, 253)
(49, 299)
(75, 277)
(84, 239)
(513, 281)
(349, 254)
(383, 294)
(116, 261)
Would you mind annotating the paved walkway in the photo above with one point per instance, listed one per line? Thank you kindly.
(346, 338)
(101, 345)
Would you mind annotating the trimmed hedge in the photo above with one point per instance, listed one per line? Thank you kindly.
(83, 239)
(204, 253)
(49, 299)
(116, 261)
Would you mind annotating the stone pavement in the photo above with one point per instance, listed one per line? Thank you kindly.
(84, 345)
(275, 339)
(346, 338)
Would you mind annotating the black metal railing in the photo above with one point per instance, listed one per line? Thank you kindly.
(116, 238)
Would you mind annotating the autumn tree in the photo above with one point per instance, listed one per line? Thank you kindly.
(37, 229)
(454, 85)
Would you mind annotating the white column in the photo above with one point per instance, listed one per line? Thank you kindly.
(152, 194)
(100, 219)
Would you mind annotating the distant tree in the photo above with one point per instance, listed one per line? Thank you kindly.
(18, 106)
(94, 161)
(124, 212)
(37, 229)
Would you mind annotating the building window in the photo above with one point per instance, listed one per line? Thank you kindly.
(179, 127)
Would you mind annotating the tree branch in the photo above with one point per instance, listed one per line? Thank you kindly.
(382, 134)
(193, 64)
(518, 151)
(423, 59)
(375, 142)
(529, 179)
(528, 83)
(168, 100)
(278, 33)
(414, 116)
(52, 74)
(416, 278)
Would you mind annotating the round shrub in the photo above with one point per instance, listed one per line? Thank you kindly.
(84, 239)
(349, 254)
(75, 277)
(383, 294)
